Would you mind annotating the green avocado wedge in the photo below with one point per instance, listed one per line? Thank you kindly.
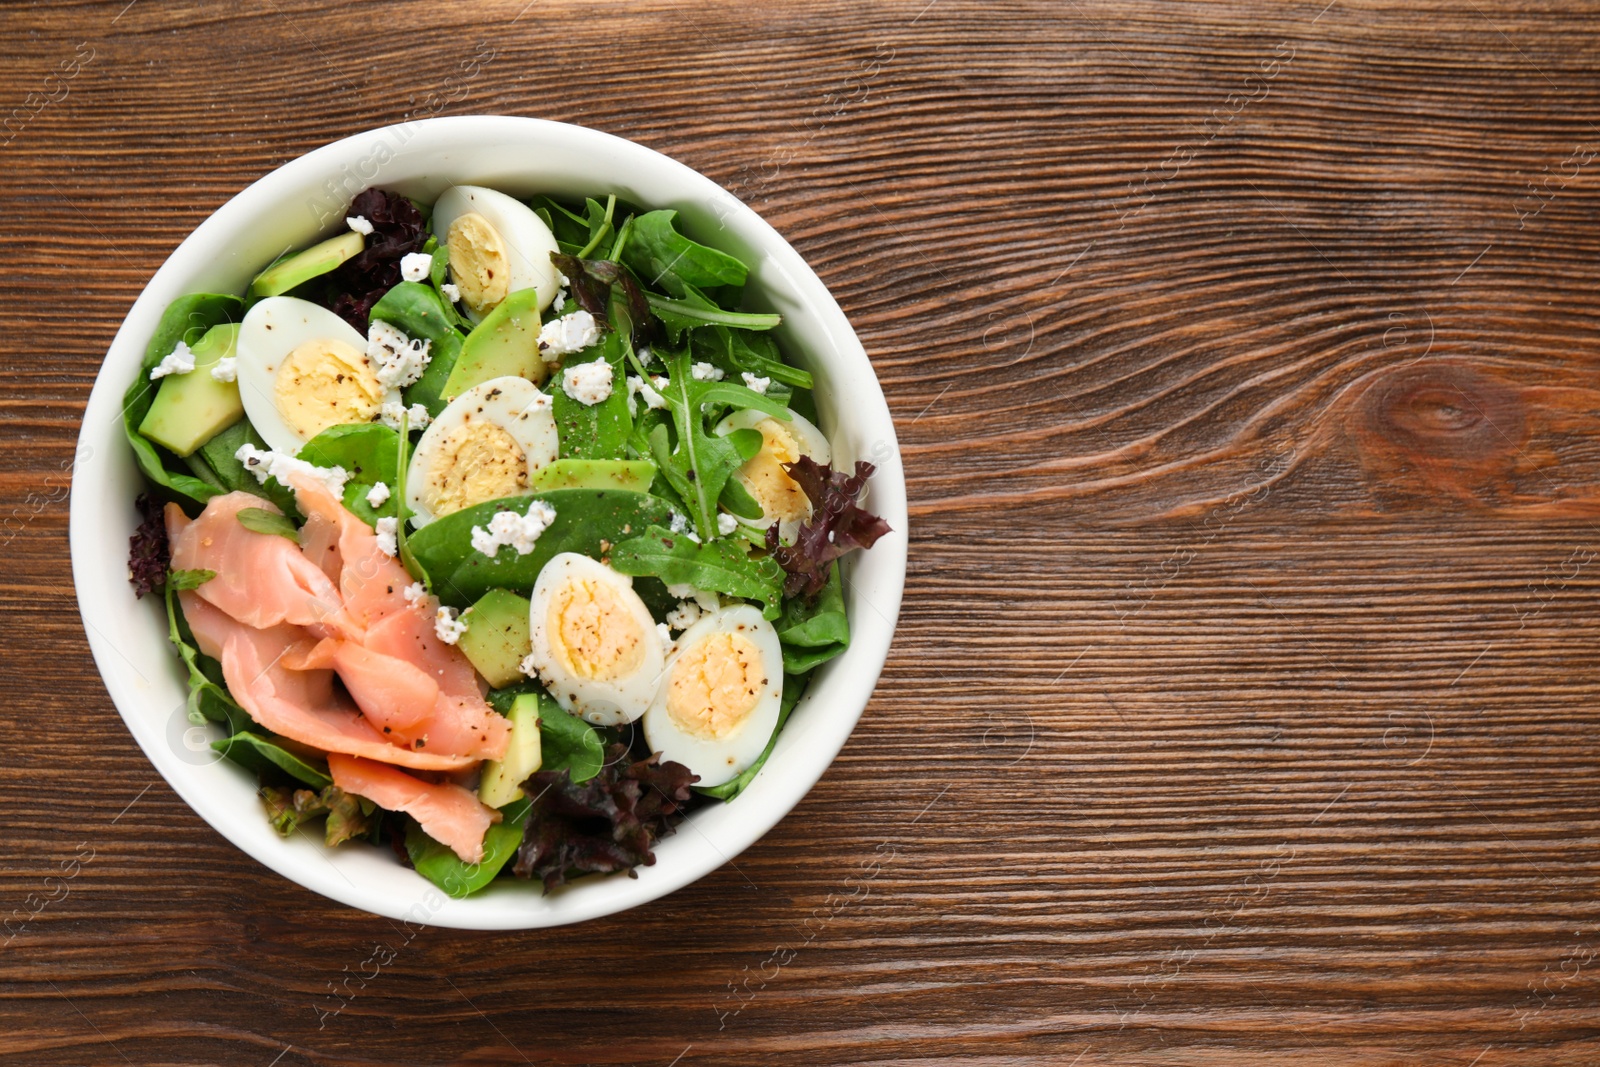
(190, 409)
(505, 343)
(588, 521)
(633, 475)
(301, 267)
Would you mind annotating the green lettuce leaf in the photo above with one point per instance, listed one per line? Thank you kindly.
(723, 566)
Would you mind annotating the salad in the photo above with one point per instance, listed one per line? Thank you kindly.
(491, 530)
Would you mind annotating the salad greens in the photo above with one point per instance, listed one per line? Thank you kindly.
(671, 414)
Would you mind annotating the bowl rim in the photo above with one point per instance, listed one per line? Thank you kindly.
(850, 678)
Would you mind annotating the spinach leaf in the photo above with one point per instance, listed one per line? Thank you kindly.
(724, 566)
(370, 452)
(441, 866)
(666, 259)
(699, 464)
(741, 350)
(793, 689)
(220, 454)
(180, 581)
(584, 518)
(567, 743)
(266, 754)
(419, 311)
(186, 319)
(816, 632)
(262, 521)
(572, 231)
(208, 700)
(438, 274)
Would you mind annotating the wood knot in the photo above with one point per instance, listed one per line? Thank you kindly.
(1441, 427)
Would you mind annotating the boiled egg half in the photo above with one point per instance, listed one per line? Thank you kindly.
(303, 369)
(485, 445)
(781, 499)
(497, 246)
(719, 699)
(595, 646)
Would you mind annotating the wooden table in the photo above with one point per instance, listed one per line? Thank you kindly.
(1243, 708)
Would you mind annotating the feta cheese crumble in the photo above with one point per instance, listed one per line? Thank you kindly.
(416, 266)
(527, 666)
(226, 369)
(415, 593)
(378, 495)
(447, 625)
(265, 464)
(388, 530)
(705, 372)
(726, 524)
(639, 388)
(521, 532)
(679, 523)
(399, 359)
(665, 632)
(179, 361)
(588, 383)
(685, 615)
(417, 417)
(359, 224)
(684, 591)
(568, 334)
(451, 292)
(755, 384)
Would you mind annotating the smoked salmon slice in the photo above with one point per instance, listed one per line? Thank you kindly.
(262, 580)
(371, 582)
(447, 813)
(462, 722)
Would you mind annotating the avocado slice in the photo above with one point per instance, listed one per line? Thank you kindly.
(496, 639)
(502, 779)
(190, 409)
(505, 342)
(301, 267)
(634, 475)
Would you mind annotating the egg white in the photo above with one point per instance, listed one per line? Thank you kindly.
(272, 329)
(528, 240)
(601, 701)
(721, 759)
(514, 404)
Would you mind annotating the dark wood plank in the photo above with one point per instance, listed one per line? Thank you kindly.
(1243, 709)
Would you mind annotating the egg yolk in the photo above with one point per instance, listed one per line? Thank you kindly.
(325, 382)
(779, 495)
(715, 685)
(596, 636)
(479, 262)
(474, 462)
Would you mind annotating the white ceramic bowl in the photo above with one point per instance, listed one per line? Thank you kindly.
(288, 209)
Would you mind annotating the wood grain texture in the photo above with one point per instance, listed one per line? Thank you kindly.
(1243, 709)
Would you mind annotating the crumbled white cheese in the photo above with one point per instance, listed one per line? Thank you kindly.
(521, 532)
(726, 524)
(685, 615)
(638, 387)
(399, 359)
(705, 372)
(665, 632)
(447, 626)
(527, 666)
(679, 523)
(684, 591)
(359, 224)
(563, 281)
(588, 383)
(559, 302)
(451, 292)
(568, 334)
(415, 593)
(378, 495)
(417, 417)
(266, 464)
(387, 530)
(754, 384)
(416, 266)
(226, 369)
(179, 361)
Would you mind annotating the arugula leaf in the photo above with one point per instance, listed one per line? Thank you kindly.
(595, 431)
(186, 319)
(267, 754)
(682, 315)
(793, 689)
(665, 258)
(723, 566)
(699, 465)
(262, 521)
(599, 220)
(440, 865)
(741, 350)
(179, 581)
